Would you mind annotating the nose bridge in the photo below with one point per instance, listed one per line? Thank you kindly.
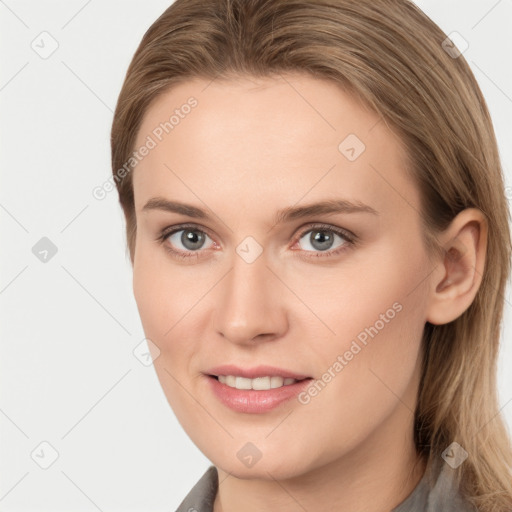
(248, 305)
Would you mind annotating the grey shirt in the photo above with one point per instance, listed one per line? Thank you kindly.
(441, 496)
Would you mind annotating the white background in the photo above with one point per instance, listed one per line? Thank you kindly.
(69, 326)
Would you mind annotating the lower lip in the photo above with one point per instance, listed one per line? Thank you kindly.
(252, 400)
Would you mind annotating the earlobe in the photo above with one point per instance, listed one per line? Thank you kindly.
(458, 275)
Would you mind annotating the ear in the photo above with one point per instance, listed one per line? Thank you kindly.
(459, 271)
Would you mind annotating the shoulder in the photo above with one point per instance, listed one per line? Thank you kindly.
(437, 490)
(202, 495)
(446, 494)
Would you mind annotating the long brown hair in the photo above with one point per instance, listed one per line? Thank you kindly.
(391, 56)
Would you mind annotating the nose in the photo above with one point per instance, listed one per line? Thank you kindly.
(251, 305)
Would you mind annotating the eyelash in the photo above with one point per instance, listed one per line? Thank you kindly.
(349, 238)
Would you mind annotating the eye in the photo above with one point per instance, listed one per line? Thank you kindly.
(322, 238)
(189, 240)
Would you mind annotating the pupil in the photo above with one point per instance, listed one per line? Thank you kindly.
(192, 239)
(320, 240)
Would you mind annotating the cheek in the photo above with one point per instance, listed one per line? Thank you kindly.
(161, 305)
(367, 375)
(148, 286)
(162, 309)
(380, 287)
(377, 313)
(159, 293)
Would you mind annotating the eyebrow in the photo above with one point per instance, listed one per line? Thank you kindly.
(284, 215)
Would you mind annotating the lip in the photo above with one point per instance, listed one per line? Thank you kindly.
(252, 373)
(254, 401)
(251, 400)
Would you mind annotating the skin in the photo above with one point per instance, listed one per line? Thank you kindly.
(248, 149)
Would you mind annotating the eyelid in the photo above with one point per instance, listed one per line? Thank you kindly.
(167, 232)
(179, 227)
(328, 227)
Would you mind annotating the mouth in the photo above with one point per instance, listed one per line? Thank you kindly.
(257, 390)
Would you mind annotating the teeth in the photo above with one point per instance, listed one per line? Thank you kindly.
(241, 383)
(259, 383)
(276, 382)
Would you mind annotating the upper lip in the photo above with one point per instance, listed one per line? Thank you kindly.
(254, 372)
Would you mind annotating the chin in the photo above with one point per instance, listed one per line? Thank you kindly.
(276, 465)
(261, 471)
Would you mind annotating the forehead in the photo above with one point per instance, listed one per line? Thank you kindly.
(267, 140)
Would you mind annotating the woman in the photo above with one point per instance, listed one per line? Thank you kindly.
(316, 218)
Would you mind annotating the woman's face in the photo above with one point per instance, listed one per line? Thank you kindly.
(255, 276)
